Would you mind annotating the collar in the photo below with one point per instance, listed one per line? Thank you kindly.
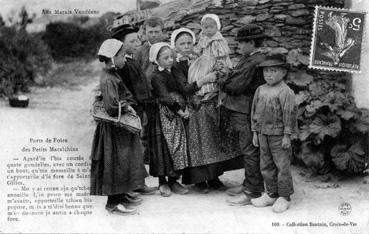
(163, 69)
(128, 56)
(179, 56)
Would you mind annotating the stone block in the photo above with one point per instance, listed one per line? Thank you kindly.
(263, 17)
(296, 6)
(302, 12)
(280, 17)
(247, 19)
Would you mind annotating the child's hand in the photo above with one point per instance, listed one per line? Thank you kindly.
(219, 65)
(209, 78)
(255, 139)
(187, 113)
(182, 114)
(131, 110)
(286, 142)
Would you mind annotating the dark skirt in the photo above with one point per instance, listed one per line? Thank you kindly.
(117, 161)
(194, 175)
(161, 163)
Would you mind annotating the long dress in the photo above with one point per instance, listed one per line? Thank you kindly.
(167, 140)
(117, 154)
(211, 152)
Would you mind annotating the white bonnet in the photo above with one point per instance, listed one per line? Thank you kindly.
(214, 17)
(110, 47)
(154, 50)
(175, 34)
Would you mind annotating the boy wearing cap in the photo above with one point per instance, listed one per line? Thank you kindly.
(240, 88)
(273, 120)
(135, 80)
(153, 28)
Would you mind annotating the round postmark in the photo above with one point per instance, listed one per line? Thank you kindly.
(345, 208)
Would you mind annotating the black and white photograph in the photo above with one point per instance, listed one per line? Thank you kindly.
(184, 116)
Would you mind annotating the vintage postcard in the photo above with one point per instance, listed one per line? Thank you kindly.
(184, 116)
(337, 39)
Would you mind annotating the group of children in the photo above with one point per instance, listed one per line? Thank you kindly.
(261, 109)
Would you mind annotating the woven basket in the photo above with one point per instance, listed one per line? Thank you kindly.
(128, 120)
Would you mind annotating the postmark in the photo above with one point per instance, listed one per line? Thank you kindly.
(337, 39)
(344, 208)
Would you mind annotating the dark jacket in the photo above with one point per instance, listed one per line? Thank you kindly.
(180, 70)
(166, 90)
(242, 82)
(135, 80)
(113, 91)
(142, 58)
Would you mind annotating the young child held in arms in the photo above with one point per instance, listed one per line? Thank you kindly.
(214, 52)
(273, 120)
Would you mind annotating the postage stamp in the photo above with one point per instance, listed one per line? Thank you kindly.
(337, 39)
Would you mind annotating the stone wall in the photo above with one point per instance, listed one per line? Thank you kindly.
(288, 23)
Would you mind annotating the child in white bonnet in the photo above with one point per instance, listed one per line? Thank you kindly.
(214, 51)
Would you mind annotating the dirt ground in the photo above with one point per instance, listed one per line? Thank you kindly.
(64, 112)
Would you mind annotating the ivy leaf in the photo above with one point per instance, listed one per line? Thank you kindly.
(292, 57)
(300, 78)
(362, 123)
(311, 157)
(313, 107)
(351, 160)
(325, 126)
(340, 157)
(346, 114)
(301, 97)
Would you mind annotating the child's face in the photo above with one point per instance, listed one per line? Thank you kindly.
(184, 44)
(274, 75)
(131, 43)
(154, 34)
(246, 47)
(119, 58)
(209, 27)
(165, 58)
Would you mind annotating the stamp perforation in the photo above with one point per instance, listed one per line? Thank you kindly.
(314, 33)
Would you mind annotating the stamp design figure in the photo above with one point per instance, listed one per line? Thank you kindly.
(337, 39)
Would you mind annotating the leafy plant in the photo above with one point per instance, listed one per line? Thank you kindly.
(330, 124)
(22, 57)
(349, 160)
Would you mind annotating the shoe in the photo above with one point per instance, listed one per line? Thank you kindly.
(132, 194)
(146, 190)
(281, 205)
(130, 201)
(120, 209)
(236, 190)
(202, 187)
(216, 184)
(178, 188)
(240, 200)
(165, 190)
(263, 201)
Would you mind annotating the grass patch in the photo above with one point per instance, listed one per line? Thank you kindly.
(71, 74)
